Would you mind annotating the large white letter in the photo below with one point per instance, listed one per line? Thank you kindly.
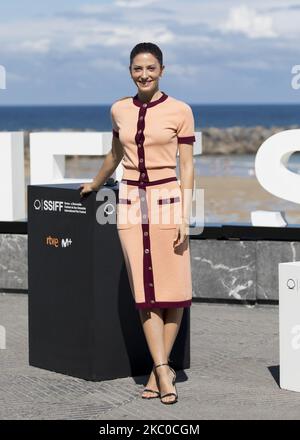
(270, 165)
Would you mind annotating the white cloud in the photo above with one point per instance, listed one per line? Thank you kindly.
(108, 64)
(247, 21)
(250, 65)
(92, 9)
(183, 69)
(119, 35)
(135, 3)
(66, 34)
(198, 25)
(41, 46)
(15, 77)
(129, 4)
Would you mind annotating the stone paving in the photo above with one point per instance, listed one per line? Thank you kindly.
(234, 373)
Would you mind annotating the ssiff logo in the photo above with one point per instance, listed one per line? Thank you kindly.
(48, 205)
(58, 242)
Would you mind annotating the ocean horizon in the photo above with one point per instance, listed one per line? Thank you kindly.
(97, 117)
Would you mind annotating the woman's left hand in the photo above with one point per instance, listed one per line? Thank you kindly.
(181, 233)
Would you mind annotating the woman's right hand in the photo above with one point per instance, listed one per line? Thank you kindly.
(86, 188)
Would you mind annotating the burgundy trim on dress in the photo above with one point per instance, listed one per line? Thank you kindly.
(153, 182)
(139, 139)
(143, 181)
(115, 133)
(148, 279)
(140, 103)
(186, 139)
(164, 304)
(170, 200)
(126, 201)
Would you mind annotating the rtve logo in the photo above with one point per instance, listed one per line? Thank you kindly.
(48, 205)
(58, 242)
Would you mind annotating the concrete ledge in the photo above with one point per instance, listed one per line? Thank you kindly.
(239, 270)
(223, 269)
(231, 270)
(13, 262)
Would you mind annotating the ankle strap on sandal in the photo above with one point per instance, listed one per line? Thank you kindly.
(155, 366)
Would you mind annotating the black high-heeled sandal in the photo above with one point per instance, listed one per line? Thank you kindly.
(173, 383)
(151, 391)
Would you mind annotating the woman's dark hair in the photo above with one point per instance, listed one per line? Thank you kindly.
(147, 48)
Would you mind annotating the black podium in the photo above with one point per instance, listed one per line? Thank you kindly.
(82, 317)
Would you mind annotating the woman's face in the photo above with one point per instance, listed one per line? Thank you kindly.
(145, 71)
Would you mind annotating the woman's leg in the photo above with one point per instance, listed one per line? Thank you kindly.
(153, 326)
(172, 322)
(161, 328)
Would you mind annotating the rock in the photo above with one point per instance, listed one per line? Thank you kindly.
(237, 140)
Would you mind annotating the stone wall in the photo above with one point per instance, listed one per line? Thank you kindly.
(221, 269)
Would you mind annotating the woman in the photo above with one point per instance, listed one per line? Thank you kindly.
(147, 130)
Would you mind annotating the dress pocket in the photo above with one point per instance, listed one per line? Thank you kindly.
(169, 212)
(123, 214)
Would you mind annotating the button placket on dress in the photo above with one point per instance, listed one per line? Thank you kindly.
(143, 178)
(149, 288)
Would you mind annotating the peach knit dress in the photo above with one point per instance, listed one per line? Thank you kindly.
(149, 200)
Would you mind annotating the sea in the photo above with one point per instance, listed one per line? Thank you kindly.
(97, 117)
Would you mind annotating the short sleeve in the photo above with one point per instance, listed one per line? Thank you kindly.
(115, 128)
(186, 126)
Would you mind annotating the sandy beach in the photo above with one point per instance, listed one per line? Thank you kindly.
(232, 198)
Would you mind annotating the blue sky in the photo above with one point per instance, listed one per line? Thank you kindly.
(216, 51)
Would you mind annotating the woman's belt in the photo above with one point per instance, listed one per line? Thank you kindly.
(153, 182)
